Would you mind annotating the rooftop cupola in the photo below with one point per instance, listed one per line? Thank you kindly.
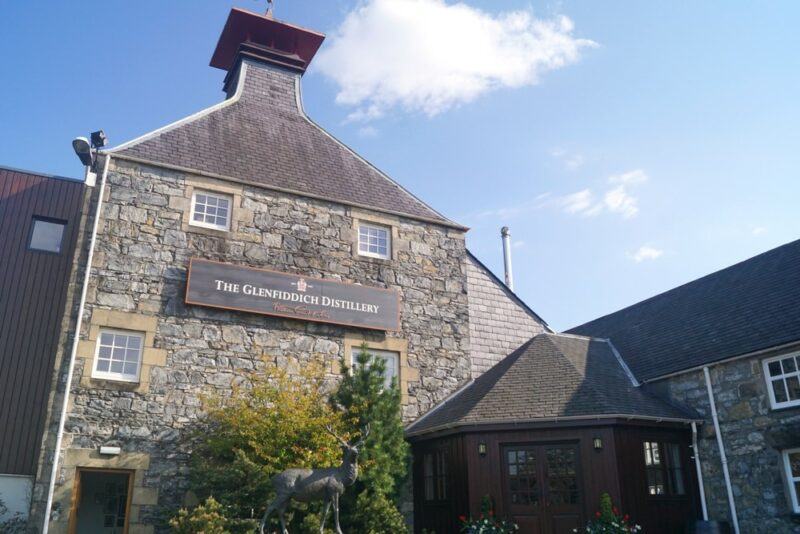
(248, 35)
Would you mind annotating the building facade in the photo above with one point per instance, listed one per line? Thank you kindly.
(251, 183)
(245, 238)
(41, 223)
(726, 346)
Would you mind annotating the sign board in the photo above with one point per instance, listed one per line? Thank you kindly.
(235, 287)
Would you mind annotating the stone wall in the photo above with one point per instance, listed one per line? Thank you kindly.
(498, 321)
(139, 269)
(754, 436)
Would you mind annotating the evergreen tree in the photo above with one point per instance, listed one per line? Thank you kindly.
(384, 457)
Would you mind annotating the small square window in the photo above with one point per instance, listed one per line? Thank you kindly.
(47, 235)
(374, 241)
(119, 355)
(791, 465)
(211, 210)
(783, 380)
(390, 358)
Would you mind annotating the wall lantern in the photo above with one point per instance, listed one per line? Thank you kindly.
(598, 444)
(482, 449)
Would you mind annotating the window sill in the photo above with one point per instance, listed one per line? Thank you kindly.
(204, 230)
(374, 259)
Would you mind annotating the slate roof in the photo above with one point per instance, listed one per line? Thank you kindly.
(499, 321)
(749, 306)
(261, 135)
(551, 376)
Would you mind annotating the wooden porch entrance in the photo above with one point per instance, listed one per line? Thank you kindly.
(541, 487)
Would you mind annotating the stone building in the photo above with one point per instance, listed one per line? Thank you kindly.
(729, 341)
(245, 238)
(251, 183)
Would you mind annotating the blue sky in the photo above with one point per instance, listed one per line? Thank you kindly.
(672, 140)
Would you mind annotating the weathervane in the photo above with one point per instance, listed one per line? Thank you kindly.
(270, 7)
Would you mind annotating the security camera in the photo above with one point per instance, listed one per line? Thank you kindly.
(84, 150)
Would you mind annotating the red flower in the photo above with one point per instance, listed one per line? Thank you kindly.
(626, 517)
(597, 514)
(462, 518)
(491, 513)
(616, 512)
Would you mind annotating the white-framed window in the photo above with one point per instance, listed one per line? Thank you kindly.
(791, 463)
(211, 210)
(118, 355)
(390, 358)
(783, 380)
(374, 241)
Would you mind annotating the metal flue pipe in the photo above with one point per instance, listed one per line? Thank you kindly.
(506, 234)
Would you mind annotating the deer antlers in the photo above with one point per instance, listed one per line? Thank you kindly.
(359, 443)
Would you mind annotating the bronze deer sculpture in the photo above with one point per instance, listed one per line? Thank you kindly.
(306, 485)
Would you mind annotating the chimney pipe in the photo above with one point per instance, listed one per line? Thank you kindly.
(506, 233)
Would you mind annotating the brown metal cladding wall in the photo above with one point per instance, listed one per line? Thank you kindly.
(33, 288)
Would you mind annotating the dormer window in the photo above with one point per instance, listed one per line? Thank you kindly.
(211, 210)
(374, 241)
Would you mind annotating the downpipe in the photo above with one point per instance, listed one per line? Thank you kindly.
(722, 456)
(76, 338)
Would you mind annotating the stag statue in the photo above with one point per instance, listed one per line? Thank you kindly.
(306, 485)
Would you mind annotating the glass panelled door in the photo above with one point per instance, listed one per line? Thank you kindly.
(541, 487)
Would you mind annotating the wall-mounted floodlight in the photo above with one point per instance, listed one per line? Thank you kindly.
(99, 139)
(84, 151)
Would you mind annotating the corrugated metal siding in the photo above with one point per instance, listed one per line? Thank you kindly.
(33, 289)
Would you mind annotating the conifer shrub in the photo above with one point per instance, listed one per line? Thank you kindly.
(384, 458)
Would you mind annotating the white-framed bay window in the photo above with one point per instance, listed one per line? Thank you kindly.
(791, 465)
(211, 210)
(118, 355)
(783, 380)
(374, 241)
(391, 360)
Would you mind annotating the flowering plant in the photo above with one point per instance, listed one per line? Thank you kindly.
(486, 523)
(608, 520)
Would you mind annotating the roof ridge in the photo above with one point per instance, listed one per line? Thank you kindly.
(586, 381)
(685, 284)
(508, 290)
(301, 108)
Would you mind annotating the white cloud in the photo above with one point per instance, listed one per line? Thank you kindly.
(758, 230)
(618, 199)
(368, 131)
(646, 253)
(570, 160)
(518, 244)
(580, 202)
(634, 177)
(429, 55)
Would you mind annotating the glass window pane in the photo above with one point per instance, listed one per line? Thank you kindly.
(774, 368)
(116, 367)
(134, 342)
(788, 365)
(102, 366)
(130, 369)
(793, 385)
(46, 235)
(794, 464)
(106, 338)
(779, 388)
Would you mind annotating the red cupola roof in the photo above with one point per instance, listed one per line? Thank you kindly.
(264, 38)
